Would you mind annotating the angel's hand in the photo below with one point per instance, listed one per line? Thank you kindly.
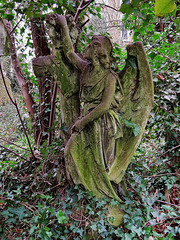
(61, 20)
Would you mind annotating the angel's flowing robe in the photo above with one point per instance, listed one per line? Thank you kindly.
(90, 153)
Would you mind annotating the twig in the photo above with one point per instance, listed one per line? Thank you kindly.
(173, 218)
(27, 205)
(154, 146)
(165, 56)
(84, 23)
(159, 41)
(164, 154)
(52, 188)
(76, 219)
(52, 113)
(84, 4)
(14, 144)
(159, 175)
(17, 109)
(178, 206)
(82, 216)
(16, 25)
(105, 5)
(13, 152)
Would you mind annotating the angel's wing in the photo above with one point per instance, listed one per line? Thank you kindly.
(136, 105)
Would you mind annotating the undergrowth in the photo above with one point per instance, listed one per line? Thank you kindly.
(37, 201)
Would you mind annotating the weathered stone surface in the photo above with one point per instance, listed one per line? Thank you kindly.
(4, 98)
(5, 44)
(99, 145)
(116, 214)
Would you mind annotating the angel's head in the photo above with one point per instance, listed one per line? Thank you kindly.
(100, 50)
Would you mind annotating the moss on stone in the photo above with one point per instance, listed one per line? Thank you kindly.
(115, 215)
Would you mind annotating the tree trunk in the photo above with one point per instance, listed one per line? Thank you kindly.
(19, 74)
(45, 91)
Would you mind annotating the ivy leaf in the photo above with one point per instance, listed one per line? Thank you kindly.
(162, 7)
(135, 3)
(98, 9)
(137, 230)
(43, 235)
(135, 127)
(61, 217)
(94, 227)
(177, 21)
(9, 17)
(20, 212)
(156, 36)
(32, 229)
(152, 55)
(126, 8)
(128, 201)
(6, 213)
(11, 220)
(136, 130)
(128, 236)
(111, 219)
(131, 61)
(139, 14)
(43, 220)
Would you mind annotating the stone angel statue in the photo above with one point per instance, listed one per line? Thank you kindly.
(99, 145)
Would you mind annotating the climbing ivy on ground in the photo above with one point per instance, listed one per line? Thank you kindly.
(35, 205)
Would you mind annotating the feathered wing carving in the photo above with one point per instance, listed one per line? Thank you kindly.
(136, 105)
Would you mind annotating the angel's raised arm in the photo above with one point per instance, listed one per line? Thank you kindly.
(60, 24)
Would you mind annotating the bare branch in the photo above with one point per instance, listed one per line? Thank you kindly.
(19, 74)
(17, 109)
(159, 175)
(165, 57)
(178, 206)
(159, 41)
(84, 4)
(52, 113)
(5, 140)
(105, 5)
(16, 25)
(12, 152)
(164, 153)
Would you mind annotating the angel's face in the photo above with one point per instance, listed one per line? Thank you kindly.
(94, 47)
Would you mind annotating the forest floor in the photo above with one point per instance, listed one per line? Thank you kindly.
(38, 202)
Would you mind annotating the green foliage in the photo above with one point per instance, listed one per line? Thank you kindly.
(32, 208)
(135, 128)
(131, 61)
(162, 7)
(161, 42)
(36, 200)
